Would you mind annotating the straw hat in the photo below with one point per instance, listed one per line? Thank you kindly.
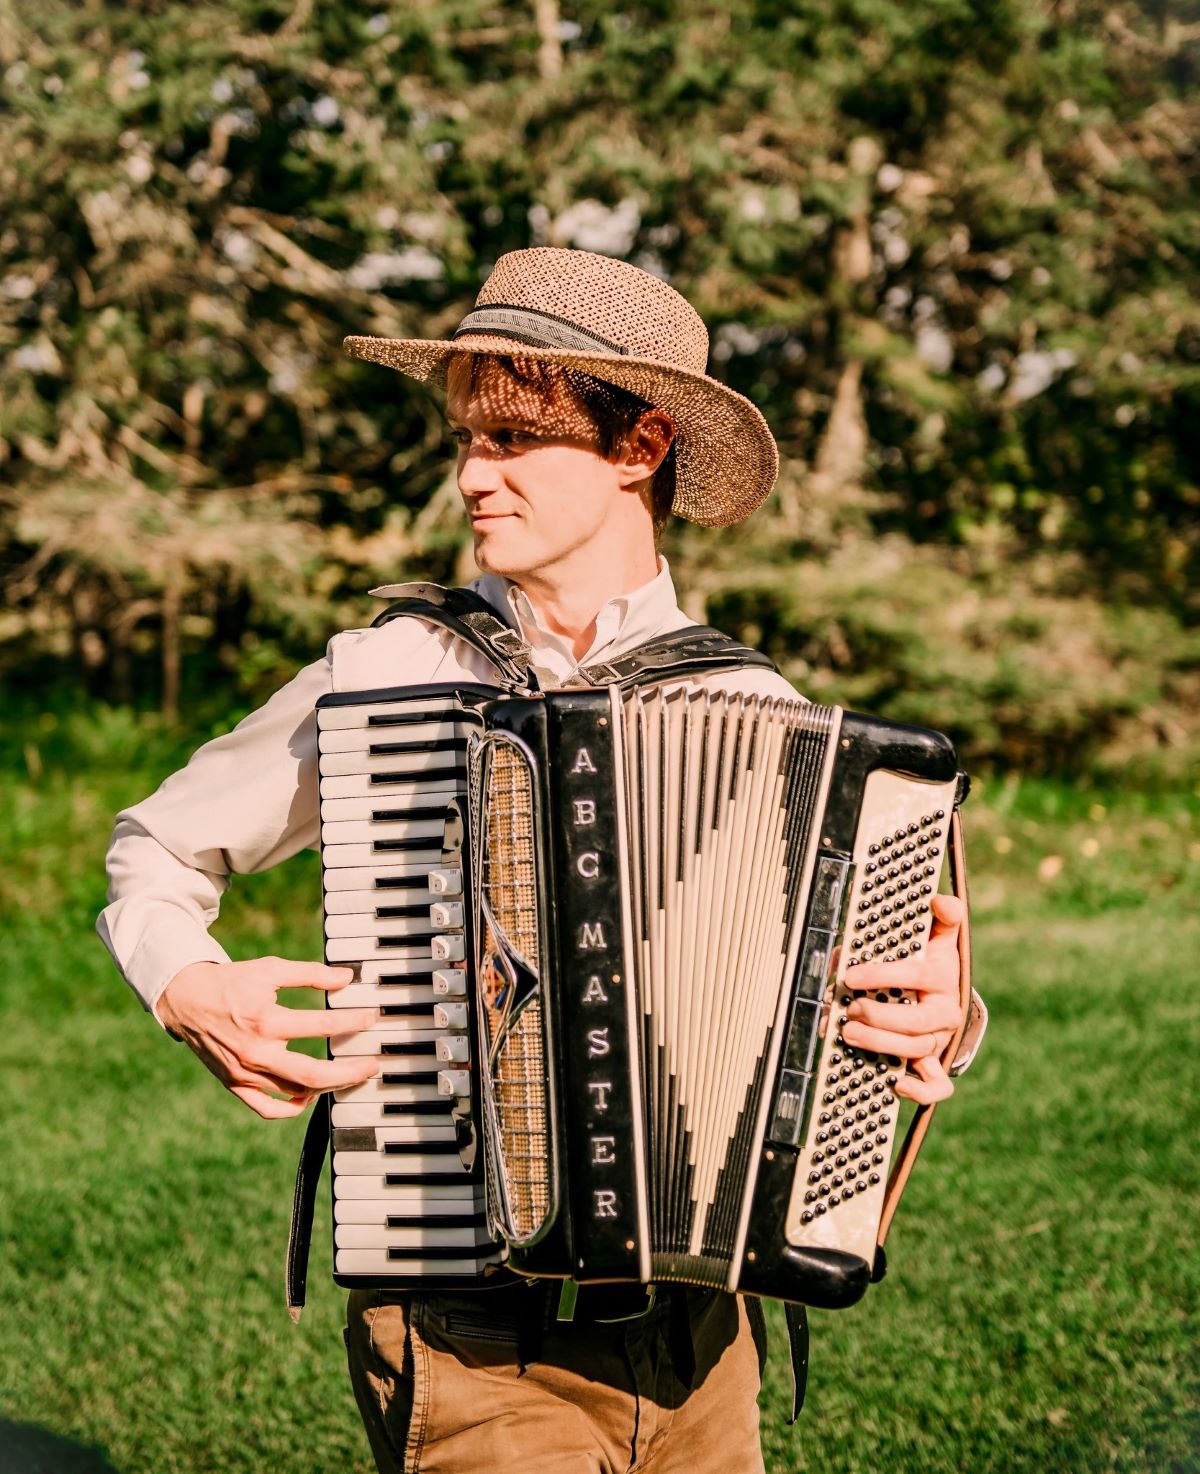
(620, 324)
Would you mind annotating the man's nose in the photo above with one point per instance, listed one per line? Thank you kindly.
(478, 471)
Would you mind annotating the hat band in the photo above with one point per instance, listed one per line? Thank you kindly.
(537, 329)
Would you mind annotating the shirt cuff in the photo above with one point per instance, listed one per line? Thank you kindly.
(165, 949)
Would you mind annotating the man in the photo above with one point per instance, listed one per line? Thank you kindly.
(578, 398)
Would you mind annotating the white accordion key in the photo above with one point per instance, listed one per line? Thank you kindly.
(347, 902)
(413, 1200)
(380, 1236)
(406, 1164)
(380, 995)
(408, 1048)
(448, 948)
(384, 834)
(448, 983)
(379, 1262)
(337, 927)
(454, 1049)
(392, 1197)
(380, 1088)
(380, 878)
(380, 1114)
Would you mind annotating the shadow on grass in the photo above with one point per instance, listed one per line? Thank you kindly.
(27, 1449)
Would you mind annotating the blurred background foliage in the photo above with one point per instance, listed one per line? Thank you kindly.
(951, 247)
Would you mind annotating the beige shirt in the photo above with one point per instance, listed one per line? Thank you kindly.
(249, 799)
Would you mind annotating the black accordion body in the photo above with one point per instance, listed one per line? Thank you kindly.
(607, 930)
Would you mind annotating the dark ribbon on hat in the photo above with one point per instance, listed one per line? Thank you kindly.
(537, 329)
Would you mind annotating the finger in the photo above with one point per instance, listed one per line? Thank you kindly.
(930, 1083)
(935, 1011)
(948, 911)
(887, 1041)
(934, 972)
(270, 1084)
(324, 1023)
(266, 1105)
(289, 974)
(300, 1072)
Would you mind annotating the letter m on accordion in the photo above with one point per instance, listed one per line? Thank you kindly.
(608, 930)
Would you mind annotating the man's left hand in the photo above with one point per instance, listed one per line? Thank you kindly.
(917, 1032)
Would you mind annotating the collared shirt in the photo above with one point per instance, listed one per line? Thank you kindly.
(249, 799)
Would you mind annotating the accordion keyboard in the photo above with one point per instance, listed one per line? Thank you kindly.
(408, 1199)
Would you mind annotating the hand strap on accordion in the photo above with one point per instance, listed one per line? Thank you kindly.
(308, 1175)
(968, 999)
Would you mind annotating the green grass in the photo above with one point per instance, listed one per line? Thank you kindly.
(1041, 1309)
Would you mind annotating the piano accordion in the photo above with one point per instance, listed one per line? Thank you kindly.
(607, 931)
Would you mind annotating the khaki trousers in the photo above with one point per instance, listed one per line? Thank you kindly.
(445, 1385)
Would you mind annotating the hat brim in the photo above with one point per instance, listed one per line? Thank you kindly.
(726, 460)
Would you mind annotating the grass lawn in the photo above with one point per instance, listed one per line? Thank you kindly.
(1041, 1310)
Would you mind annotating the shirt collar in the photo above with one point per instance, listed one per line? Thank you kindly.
(622, 622)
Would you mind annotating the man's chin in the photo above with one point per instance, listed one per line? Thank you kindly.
(494, 553)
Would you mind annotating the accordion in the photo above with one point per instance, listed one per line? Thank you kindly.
(607, 931)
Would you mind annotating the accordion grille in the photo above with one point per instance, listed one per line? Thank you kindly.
(509, 876)
(509, 988)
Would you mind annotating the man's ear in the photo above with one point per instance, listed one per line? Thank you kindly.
(646, 447)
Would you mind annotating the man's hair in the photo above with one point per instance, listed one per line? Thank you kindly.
(612, 410)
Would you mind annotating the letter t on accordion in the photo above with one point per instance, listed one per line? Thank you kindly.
(608, 932)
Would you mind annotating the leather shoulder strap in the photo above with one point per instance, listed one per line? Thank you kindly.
(677, 655)
(471, 619)
(308, 1175)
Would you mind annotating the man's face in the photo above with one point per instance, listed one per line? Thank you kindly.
(532, 477)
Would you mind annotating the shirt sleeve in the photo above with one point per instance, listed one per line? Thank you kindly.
(245, 801)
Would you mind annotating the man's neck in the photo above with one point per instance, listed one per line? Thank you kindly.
(566, 602)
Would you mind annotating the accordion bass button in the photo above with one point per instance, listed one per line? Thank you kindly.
(446, 882)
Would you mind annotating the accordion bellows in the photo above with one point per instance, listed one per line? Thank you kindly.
(636, 903)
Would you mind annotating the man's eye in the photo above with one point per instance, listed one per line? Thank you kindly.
(515, 438)
(461, 437)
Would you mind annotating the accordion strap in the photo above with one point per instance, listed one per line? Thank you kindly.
(691, 651)
(470, 619)
(308, 1175)
(954, 1057)
(675, 656)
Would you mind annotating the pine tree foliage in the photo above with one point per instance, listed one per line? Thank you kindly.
(950, 246)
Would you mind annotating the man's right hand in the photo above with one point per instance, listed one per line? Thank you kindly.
(227, 1013)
